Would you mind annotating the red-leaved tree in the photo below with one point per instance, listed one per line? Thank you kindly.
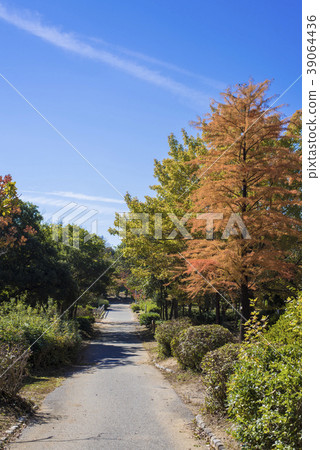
(252, 176)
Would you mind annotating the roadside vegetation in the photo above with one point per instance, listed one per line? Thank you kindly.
(42, 319)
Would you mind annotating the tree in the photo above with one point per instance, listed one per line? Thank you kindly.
(252, 172)
(43, 268)
(9, 208)
(155, 265)
(89, 263)
(34, 270)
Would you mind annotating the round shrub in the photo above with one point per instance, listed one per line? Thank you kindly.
(135, 307)
(217, 367)
(149, 306)
(147, 318)
(192, 344)
(105, 303)
(167, 331)
(155, 309)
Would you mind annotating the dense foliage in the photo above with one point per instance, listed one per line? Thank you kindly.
(54, 340)
(167, 331)
(264, 393)
(135, 307)
(217, 367)
(192, 344)
(148, 318)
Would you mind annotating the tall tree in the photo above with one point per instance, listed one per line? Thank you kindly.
(153, 257)
(250, 172)
(10, 209)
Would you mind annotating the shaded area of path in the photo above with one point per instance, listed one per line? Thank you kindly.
(117, 401)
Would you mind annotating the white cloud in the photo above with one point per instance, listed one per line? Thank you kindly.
(158, 62)
(69, 194)
(52, 205)
(68, 41)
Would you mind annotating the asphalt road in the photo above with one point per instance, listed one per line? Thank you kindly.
(117, 402)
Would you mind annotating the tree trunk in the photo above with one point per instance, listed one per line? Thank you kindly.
(166, 309)
(223, 312)
(218, 318)
(175, 308)
(190, 309)
(245, 308)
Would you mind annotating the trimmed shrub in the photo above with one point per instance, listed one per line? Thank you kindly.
(147, 318)
(13, 367)
(104, 302)
(192, 344)
(264, 393)
(149, 306)
(167, 331)
(135, 307)
(217, 367)
(155, 309)
(85, 326)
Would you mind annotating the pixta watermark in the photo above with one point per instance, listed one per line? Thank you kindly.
(144, 224)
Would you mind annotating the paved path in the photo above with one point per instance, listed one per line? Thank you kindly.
(118, 402)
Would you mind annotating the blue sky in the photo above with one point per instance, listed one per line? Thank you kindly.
(115, 78)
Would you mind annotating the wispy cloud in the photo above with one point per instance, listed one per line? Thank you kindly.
(50, 205)
(158, 62)
(31, 23)
(76, 195)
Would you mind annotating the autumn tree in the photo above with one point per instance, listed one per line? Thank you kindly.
(251, 177)
(9, 208)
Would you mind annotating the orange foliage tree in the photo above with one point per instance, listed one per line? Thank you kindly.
(9, 207)
(250, 172)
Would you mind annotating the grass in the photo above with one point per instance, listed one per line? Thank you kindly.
(37, 387)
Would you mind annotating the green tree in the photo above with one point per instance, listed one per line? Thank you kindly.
(155, 266)
(34, 270)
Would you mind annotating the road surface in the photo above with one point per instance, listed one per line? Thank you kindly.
(117, 402)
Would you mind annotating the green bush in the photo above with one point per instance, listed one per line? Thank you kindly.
(155, 309)
(104, 302)
(85, 326)
(168, 330)
(192, 344)
(135, 307)
(217, 367)
(264, 393)
(149, 306)
(147, 318)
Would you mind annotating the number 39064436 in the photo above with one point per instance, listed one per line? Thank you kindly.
(311, 44)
